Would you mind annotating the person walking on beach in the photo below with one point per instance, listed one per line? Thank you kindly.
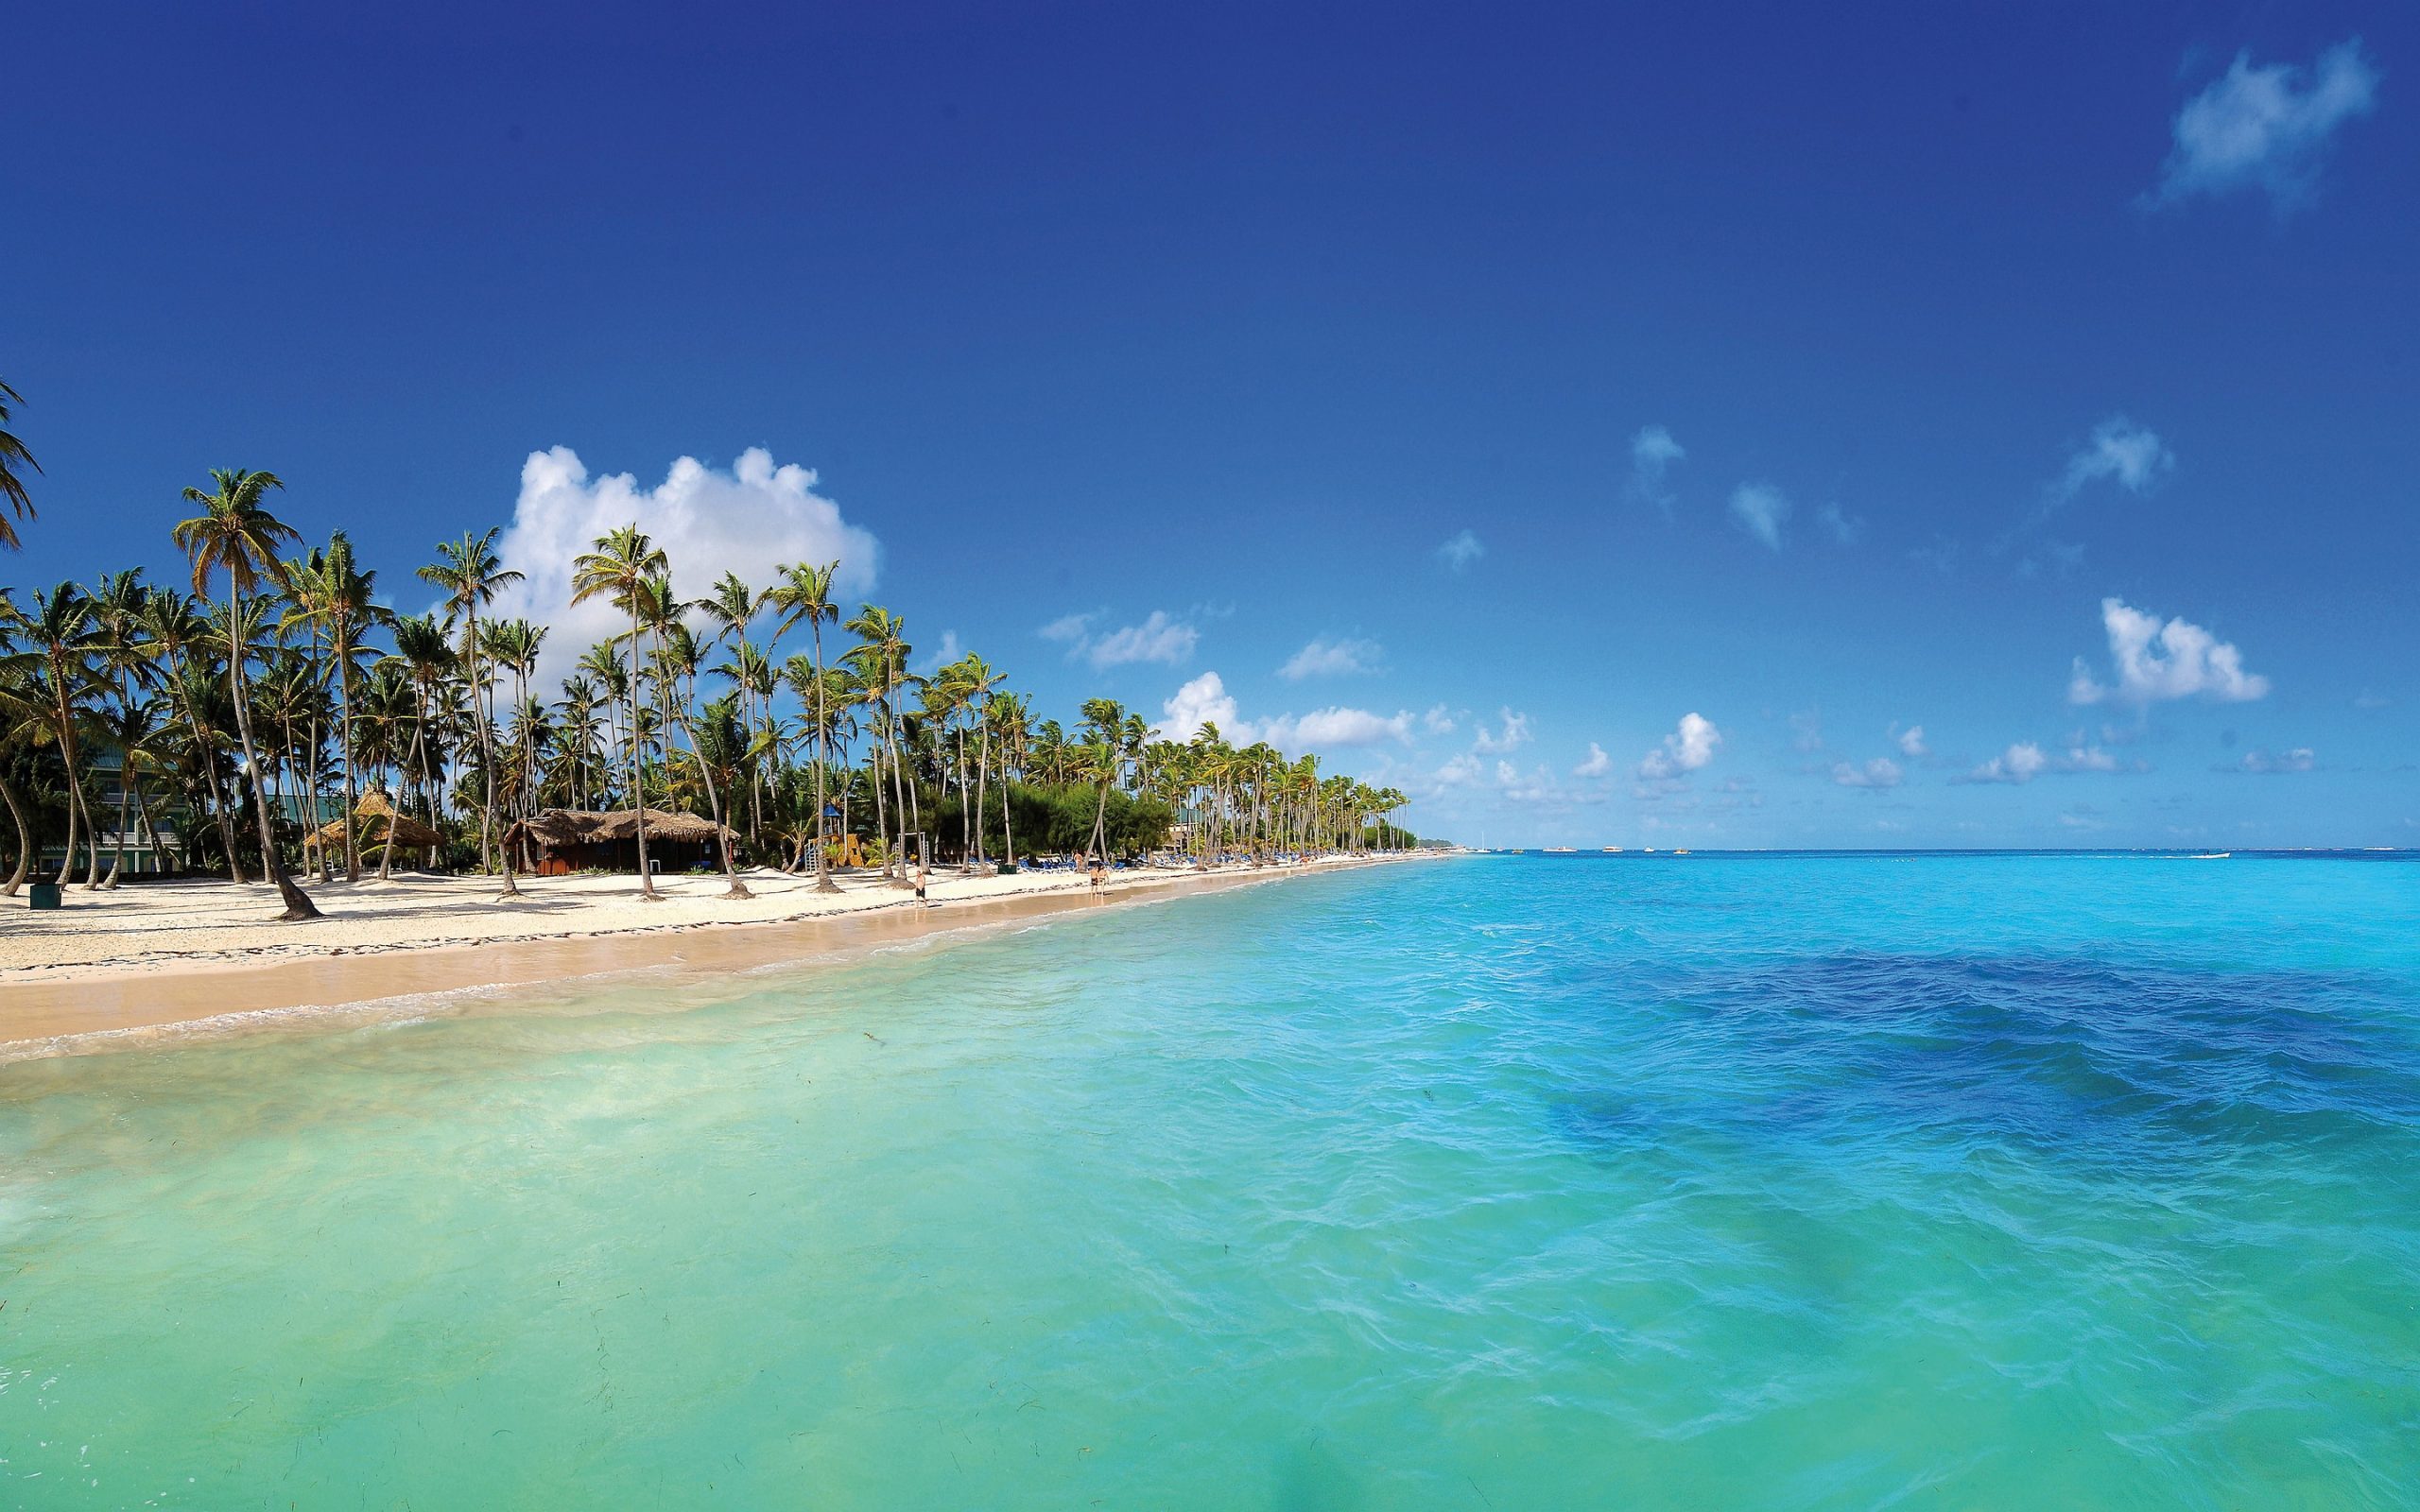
(1097, 876)
(924, 874)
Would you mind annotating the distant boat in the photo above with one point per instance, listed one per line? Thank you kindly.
(1680, 852)
(1561, 851)
(1651, 849)
(1613, 850)
(2215, 855)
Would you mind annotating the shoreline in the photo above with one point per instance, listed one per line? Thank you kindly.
(81, 1006)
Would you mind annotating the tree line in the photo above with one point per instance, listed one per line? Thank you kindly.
(272, 682)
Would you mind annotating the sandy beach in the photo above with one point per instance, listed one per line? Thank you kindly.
(179, 953)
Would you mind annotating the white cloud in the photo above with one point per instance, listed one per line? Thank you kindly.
(708, 522)
(1326, 657)
(940, 656)
(1879, 772)
(1438, 721)
(1335, 727)
(2266, 127)
(1911, 740)
(1761, 511)
(1159, 638)
(2131, 456)
(1514, 734)
(2301, 759)
(1597, 764)
(2020, 763)
(1652, 452)
(2090, 758)
(1204, 701)
(1687, 749)
(1460, 551)
(1460, 772)
(2188, 660)
(1068, 629)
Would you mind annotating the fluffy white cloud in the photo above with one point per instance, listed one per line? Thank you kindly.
(2266, 127)
(1597, 764)
(1205, 701)
(2156, 661)
(1512, 736)
(1761, 511)
(1323, 727)
(1652, 452)
(1438, 721)
(1460, 551)
(1160, 638)
(2020, 763)
(1326, 657)
(708, 522)
(1911, 740)
(1879, 772)
(1688, 747)
(1202, 701)
(2301, 759)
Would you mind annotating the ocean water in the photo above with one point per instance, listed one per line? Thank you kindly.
(1965, 1182)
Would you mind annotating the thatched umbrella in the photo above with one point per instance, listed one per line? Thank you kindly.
(402, 829)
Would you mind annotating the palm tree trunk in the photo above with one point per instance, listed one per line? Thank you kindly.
(823, 882)
(344, 692)
(298, 906)
(638, 794)
(24, 840)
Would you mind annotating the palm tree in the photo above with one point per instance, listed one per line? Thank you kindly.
(335, 599)
(472, 574)
(59, 644)
(679, 654)
(424, 648)
(236, 535)
(176, 629)
(622, 569)
(118, 607)
(12, 457)
(882, 668)
(804, 592)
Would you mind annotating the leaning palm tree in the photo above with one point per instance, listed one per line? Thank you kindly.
(804, 592)
(56, 644)
(622, 570)
(472, 574)
(234, 534)
(12, 485)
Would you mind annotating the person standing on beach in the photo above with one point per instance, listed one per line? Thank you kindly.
(924, 874)
(1097, 876)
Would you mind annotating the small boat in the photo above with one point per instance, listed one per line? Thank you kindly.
(1613, 850)
(1561, 851)
(1680, 852)
(1651, 849)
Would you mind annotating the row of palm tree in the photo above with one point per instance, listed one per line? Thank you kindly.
(274, 684)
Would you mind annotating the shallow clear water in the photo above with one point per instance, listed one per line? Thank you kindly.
(1973, 1182)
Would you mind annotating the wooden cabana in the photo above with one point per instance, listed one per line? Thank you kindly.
(554, 842)
(380, 824)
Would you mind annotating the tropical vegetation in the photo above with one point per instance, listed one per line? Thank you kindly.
(211, 724)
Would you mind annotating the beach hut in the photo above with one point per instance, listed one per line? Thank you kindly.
(380, 825)
(555, 842)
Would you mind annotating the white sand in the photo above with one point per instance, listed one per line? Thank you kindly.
(147, 928)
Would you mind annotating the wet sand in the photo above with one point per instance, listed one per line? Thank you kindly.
(105, 1002)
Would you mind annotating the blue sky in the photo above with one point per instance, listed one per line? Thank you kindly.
(1627, 426)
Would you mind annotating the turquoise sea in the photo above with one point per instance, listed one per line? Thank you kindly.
(2019, 1182)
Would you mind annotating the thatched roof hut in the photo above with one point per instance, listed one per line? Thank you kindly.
(374, 814)
(559, 840)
